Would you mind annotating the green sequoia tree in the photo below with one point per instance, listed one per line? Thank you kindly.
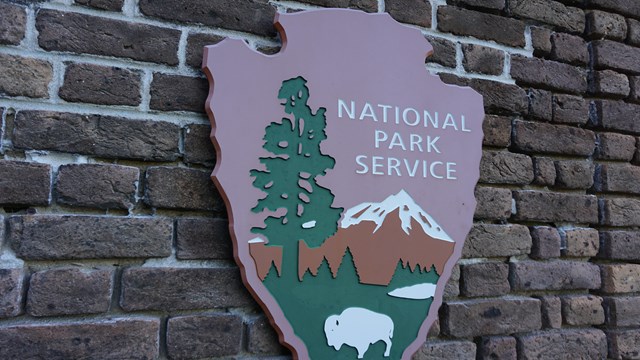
(304, 210)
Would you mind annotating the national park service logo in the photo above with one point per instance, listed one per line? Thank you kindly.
(348, 172)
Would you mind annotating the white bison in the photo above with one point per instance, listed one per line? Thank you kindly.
(359, 328)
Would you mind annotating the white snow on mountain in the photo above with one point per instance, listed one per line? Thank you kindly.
(416, 292)
(377, 212)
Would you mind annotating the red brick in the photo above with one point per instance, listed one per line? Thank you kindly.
(195, 47)
(604, 25)
(622, 311)
(180, 188)
(204, 336)
(546, 242)
(490, 240)
(55, 237)
(618, 178)
(620, 278)
(444, 52)
(557, 344)
(580, 242)
(497, 347)
(625, 7)
(491, 317)
(113, 5)
(620, 245)
(416, 12)
(548, 74)
(482, 59)
(200, 238)
(198, 148)
(534, 205)
(493, 203)
(446, 350)
(609, 83)
(574, 174)
(550, 12)
(620, 212)
(614, 55)
(569, 49)
(101, 339)
(24, 77)
(486, 26)
(617, 115)
(623, 344)
(612, 146)
(554, 275)
(497, 131)
(582, 310)
(262, 338)
(13, 23)
(553, 139)
(11, 289)
(551, 312)
(500, 167)
(23, 183)
(178, 93)
(70, 291)
(540, 104)
(101, 85)
(541, 41)
(544, 170)
(570, 109)
(80, 33)
(170, 289)
(485, 279)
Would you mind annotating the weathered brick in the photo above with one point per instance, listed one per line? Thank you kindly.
(551, 312)
(501, 98)
(604, 25)
(23, 183)
(569, 49)
(540, 104)
(580, 242)
(491, 240)
(609, 83)
(622, 311)
(99, 186)
(497, 347)
(262, 338)
(100, 85)
(617, 115)
(569, 109)
(561, 344)
(546, 242)
(620, 245)
(178, 93)
(203, 239)
(548, 74)
(634, 84)
(69, 291)
(618, 178)
(13, 23)
(198, 148)
(444, 52)
(182, 288)
(620, 212)
(541, 41)
(452, 288)
(551, 12)
(113, 5)
(625, 7)
(80, 33)
(497, 131)
(491, 316)
(103, 136)
(24, 76)
(544, 170)
(493, 203)
(52, 237)
(615, 55)
(204, 336)
(554, 275)
(254, 16)
(195, 47)
(553, 139)
(446, 350)
(2, 230)
(417, 12)
(499, 167)
(612, 146)
(623, 344)
(365, 5)
(485, 279)
(620, 278)
(574, 174)
(546, 206)
(482, 59)
(633, 36)
(581, 310)
(103, 339)
(486, 26)
(11, 284)
(434, 331)
(180, 188)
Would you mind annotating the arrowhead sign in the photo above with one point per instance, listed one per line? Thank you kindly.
(348, 172)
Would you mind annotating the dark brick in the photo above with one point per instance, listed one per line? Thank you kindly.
(534, 205)
(634, 84)
(625, 7)
(485, 279)
(540, 104)
(617, 115)
(609, 83)
(620, 212)
(546, 242)
(101, 85)
(633, 36)
(254, 16)
(173, 289)
(13, 23)
(622, 311)
(553, 139)
(99, 186)
(601, 25)
(581, 310)
(618, 178)
(497, 131)
(102, 339)
(444, 52)
(544, 170)
(493, 203)
(198, 148)
(491, 317)
(505, 168)
(490, 240)
(569, 109)
(558, 344)
(548, 74)
(497, 347)
(98, 135)
(620, 245)
(616, 56)
(574, 174)
(204, 336)
(551, 12)
(53, 237)
(365, 5)
(541, 41)
(203, 239)
(570, 49)
(195, 47)
(11, 284)
(623, 344)
(180, 188)
(69, 291)
(621, 278)
(178, 93)
(551, 312)
(485, 26)
(446, 350)
(23, 183)
(580, 242)
(113, 5)
(554, 275)
(612, 146)
(452, 289)
(500, 97)
(262, 338)
(24, 76)
(80, 33)
(482, 59)
(486, 4)
(417, 12)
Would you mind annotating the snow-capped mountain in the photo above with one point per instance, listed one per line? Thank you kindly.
(407, 210)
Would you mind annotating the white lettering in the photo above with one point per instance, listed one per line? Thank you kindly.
(365, 168)
(396, 140)
(367, 111)
(341, 105)
(405, 118)
(380, 136)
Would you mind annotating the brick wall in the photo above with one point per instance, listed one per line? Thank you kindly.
(114, 242)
